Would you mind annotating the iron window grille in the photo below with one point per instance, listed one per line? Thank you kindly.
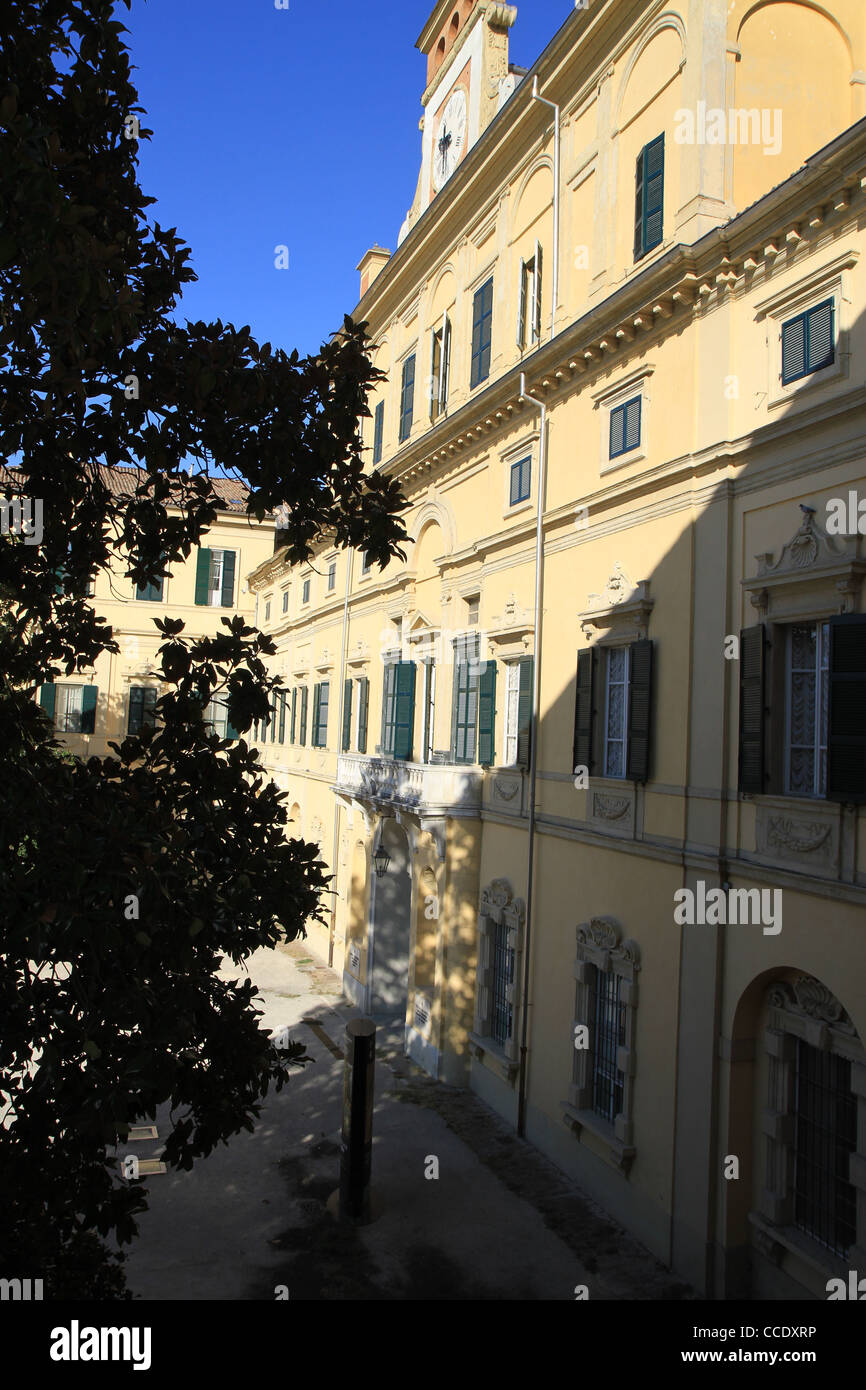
(825, 1111)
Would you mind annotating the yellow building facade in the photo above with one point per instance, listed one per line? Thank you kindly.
(588, 766)
(119, 693)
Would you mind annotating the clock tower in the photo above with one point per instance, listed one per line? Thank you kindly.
(469, 79)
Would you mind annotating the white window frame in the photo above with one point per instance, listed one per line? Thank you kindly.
(527, 448)
(215, 579)
(512, 716)
(529, 302)
(429, 717)
(63, 693)
(821, 729)
(608, 650)
(831, 281)
(634, 386)
(439, 384)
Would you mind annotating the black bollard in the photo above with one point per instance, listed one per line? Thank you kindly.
(356, 1151)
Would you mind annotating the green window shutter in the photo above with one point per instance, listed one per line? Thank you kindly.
(274, 700)
(202, 577)
(88, 708)
(455, 699)
(388, 709)
(378, 432)
(638, 207)
(404, 709)
(231, 731)
(752, 709)
(322, 720)
(228, 593)
(521, 312)
(136, 709)
(487, 715)
(407, 398)
(347, 715)
(524, 710)
(314, 730)
(846, 733)
(283, 695)
(582, 751)
(639, 710)
(482, 333)
(653, 192)
(466, 701)
(363, 707)
(303, 736)
(293, 724)
(47, 696)
(538, 261)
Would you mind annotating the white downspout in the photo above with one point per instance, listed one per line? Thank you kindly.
(556, 142)
(533, 745)
(350, 555)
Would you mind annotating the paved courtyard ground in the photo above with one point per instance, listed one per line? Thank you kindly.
(500, 1222)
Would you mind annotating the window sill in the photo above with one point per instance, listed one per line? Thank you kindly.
(775, 1242)
(620, 1155)
(485, 1050)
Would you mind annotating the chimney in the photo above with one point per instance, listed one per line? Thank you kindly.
(371, 263)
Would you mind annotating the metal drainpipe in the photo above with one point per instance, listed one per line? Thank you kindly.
(350, 557)
(555, 294)
(533, 746)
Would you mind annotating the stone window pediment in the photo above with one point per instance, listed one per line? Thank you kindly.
(621, 612)
(814, 572)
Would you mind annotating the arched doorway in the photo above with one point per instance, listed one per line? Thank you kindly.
(391, 930)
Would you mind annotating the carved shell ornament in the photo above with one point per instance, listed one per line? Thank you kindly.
(610, 807)
(803, 838)
(809, 996)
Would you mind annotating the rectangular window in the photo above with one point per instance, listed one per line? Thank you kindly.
(521, 481)
(305, 592)
(142, 708)
(473, 606)
(482, 333)
(529, 314)
(366, 563)
(285, 600)
(268, 611)
(616, 712)
(512, 695)
(825, 1114)
(440, 367)
(215, 578)
(378, 432)
(150, 593)
(407, 398)
(429, 710)
(302, 731)
(465, 705)
(808, 342)
(293, 721)
(282, 699)
(332, 576)
(502, 1017)
(68, 709)
(320, 714)
(808, 691)
(625, 427)
(649, 197)
(216, 716)
(609, 1035)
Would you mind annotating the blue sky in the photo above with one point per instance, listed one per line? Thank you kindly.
(294, 127)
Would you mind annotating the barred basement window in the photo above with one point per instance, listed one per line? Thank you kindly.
(609, 1034)
(496, 1029)
(814, 1171)
(825, 1109)
(601, 1097)
(502, 1016)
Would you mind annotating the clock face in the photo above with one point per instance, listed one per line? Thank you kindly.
(450, 138)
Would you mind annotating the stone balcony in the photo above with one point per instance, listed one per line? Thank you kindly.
(428, 789)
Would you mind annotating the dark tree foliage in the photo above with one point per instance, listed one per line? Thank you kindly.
(105, 1016)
